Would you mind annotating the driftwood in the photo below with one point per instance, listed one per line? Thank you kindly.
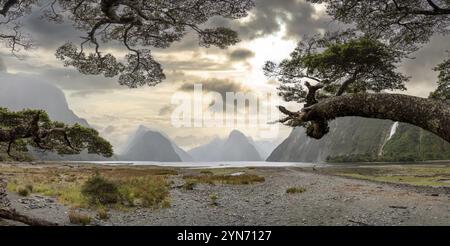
(6, 212)
(11, 214)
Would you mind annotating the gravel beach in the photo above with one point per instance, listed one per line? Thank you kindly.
(328, 200)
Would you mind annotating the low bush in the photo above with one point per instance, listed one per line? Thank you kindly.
(79, 218)
(100, 190)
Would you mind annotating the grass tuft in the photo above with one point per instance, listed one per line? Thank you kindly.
(103, 213)
(79, 218)
(295, 190)
(23, 191)
(214, 198)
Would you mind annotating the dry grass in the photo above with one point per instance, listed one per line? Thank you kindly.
(151, 191)
(417, 175)
(79, 218)
(143, 186)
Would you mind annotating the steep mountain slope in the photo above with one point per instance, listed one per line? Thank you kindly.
(349, 135)
(142, 135)
(150, 146)
(411, 143)
(237, 147)
(21, 92)
(353, 139)
(207, 152)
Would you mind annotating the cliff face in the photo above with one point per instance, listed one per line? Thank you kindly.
(360, 139)
(349, 135)
(22, 92)
(151, 146)
(148, 145)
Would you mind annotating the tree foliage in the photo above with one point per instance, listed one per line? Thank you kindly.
(443, 90)
(33, 128)
(135, 26)
(337, 64)
(405, 24)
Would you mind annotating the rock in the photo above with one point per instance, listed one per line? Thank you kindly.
(4, 201)
(237, 174)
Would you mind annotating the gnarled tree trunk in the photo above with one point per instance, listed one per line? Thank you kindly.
(429, 114)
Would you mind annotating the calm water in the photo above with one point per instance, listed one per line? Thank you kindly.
(219, 164)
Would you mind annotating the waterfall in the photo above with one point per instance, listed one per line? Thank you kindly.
(391, 134)
(393, 130)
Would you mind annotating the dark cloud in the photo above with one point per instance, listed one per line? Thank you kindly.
(166, 110)
(298, 16)
(221, 86)
(240, 55)
(420, 66)
(50, 35)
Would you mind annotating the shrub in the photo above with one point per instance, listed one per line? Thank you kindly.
(78, 218)
(102, 213)
(189, 185)
(100, 190)
(206, 172)
(22, 191)
(149, 191)
(214, 198)
(29, 187)
(293, 190)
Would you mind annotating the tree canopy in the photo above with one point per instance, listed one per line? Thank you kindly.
(135, 26)
(33, 128)
(405, 24)
(337, 64)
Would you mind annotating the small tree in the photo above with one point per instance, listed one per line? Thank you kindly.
(330, 66)
(19, 130)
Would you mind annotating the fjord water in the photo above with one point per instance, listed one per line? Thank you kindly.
(210, 164)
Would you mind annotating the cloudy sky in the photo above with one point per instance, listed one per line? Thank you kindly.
(270, 32)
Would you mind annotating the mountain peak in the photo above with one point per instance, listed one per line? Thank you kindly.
(236, 134)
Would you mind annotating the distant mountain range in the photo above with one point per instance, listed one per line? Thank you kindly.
(20, 92)
(351, 139)
(355, 139)
(237, 147)
(151, 145)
